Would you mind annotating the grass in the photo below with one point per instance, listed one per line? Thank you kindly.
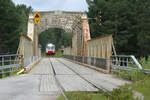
(130, 75)
(143, 87)
(83, 96)
(145, 64)
(122, 93)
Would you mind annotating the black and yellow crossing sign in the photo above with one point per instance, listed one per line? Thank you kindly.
(37, 18)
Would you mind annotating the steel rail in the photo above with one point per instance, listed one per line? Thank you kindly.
(57, 81)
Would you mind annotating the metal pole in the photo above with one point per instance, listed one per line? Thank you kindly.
(10, 69)
(22, 65)
(3, 66)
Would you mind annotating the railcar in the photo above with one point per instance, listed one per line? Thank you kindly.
(50, 49)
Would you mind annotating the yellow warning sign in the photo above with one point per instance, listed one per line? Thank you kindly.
(37, 18)
(37, 15)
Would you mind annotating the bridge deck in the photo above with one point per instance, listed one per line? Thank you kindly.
(48, 77)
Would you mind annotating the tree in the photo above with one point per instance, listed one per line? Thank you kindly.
(24, 12)
(56, 36)
(13, 21)
(127, 20)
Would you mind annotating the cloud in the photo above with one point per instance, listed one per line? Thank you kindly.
(66, 5)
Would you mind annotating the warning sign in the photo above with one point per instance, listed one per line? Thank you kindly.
(37, 15)
(37, 18)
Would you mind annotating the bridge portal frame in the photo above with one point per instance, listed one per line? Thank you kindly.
(74, 22)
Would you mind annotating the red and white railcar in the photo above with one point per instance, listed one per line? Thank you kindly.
(50, 49)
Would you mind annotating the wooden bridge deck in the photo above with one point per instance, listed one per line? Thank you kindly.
(52, 75)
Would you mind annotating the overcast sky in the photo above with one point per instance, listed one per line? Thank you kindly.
(67, 5)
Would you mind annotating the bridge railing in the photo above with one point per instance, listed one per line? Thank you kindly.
(30, 60)
(115, 64)
(102, 63)
(126, 62)
(10, 64)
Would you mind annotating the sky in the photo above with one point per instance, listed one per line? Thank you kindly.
(50, 5)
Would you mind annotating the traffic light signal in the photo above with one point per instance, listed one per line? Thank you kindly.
(99, 18)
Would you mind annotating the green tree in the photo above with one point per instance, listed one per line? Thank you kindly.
(56, 36)
(127, 20)
(13, 21)
(9, 26)
(23, 11)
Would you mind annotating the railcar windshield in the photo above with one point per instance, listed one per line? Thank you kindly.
(50, 48)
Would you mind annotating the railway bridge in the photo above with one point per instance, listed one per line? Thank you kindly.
(86, 66)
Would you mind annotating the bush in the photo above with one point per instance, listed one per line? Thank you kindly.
(145, 64)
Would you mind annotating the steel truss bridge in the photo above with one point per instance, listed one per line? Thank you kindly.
(87, 64)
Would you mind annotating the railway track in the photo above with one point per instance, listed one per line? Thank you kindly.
(99, 88)
(57, 82)
(62, 90)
